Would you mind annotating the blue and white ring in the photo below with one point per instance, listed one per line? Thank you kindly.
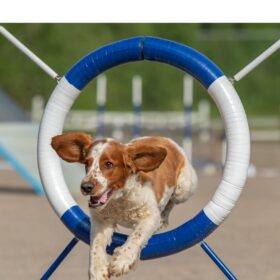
(219, 88)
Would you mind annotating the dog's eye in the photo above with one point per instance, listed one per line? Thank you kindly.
(108, 164)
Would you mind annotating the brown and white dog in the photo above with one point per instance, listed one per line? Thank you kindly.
(134, 185)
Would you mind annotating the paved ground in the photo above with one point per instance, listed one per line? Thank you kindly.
(32, 235)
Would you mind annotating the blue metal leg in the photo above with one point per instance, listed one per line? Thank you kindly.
(217, 261)
(60, 259)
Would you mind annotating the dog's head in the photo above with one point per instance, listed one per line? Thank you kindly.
(108, 163)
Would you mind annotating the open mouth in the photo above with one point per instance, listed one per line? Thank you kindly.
(96, 201)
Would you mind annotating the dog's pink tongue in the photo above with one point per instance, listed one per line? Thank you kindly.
(103, 199)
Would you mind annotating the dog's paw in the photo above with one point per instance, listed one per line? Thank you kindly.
(123, 260)
(102, 274)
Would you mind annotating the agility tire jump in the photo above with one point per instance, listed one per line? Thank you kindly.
(219, 88)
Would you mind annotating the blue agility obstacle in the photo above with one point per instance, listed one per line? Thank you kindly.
(125, 51)
(219, 88)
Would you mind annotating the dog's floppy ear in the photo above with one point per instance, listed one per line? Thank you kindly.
(140, 156)
(72, 146)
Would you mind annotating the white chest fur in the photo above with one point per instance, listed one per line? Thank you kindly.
(129, 205)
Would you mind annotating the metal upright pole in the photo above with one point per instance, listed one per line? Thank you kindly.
(258, 60)
(29, 53)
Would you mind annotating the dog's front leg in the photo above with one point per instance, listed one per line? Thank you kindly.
(101, 235)
(125, 256)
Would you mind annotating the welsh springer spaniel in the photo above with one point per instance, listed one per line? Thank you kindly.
(134, 185)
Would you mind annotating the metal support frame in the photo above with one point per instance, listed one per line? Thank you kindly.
(206, 248)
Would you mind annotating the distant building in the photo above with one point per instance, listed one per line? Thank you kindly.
(10, 111)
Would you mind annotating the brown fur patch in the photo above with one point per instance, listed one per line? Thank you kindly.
(168, 172)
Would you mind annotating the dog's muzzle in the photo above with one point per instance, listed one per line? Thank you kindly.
(87, 188)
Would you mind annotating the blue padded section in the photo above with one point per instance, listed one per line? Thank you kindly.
(183, 57)
(181, 238)
(160, 245)
(139, 48)
(171, 242)
(77, 222)
(104, 58)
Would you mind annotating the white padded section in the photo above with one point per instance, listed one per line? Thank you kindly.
(50, 169)
(238, 150)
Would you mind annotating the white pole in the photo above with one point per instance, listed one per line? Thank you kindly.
(204, 113)
(188, 91)
(137, 90)
(101, 89)
(137, 103)
(188, 101)
(37, 108)
(258, 60)
(28, 53)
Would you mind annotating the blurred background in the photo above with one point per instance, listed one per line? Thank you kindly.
(143, 98)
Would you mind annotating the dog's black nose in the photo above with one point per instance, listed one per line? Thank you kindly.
(87, 187)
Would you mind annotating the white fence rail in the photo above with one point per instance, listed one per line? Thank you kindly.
(87, 120)
(262, 128)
